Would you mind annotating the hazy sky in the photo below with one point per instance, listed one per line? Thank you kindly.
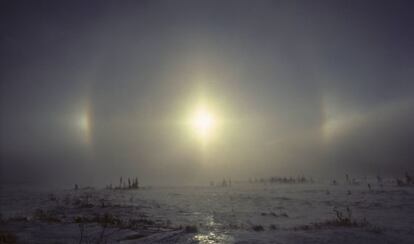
(94, 90)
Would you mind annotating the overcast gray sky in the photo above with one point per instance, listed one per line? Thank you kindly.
(91, 90)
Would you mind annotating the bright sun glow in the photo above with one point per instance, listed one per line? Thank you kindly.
(203, 123)
(84, 126)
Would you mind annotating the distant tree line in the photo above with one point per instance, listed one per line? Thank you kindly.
(128, 184)
(224, 183)
(283, 180)
(406, 181)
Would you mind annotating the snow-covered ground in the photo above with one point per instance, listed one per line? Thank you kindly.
(242, 213)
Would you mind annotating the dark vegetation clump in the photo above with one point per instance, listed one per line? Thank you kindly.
(134, 237)
(87, 220)
(191, 229)
(7, 237)
(110, 220)
(273, 227)
(137, 223)
(105, 220)
(234, 226)
(258, 228)
(343, 219)
(52, 197)
(408, 180)
(273, 214)
(18, 219)
(46, 216)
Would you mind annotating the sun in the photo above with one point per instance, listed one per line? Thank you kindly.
(203, 123)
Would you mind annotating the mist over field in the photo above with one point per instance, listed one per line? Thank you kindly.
(197, 121)
(92, 91)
